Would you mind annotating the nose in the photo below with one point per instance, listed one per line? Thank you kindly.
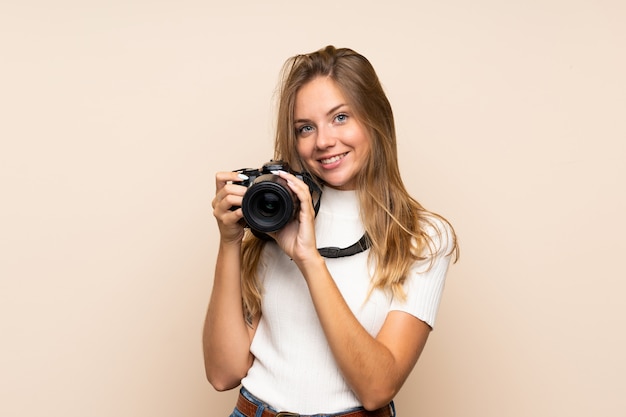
(325, 138)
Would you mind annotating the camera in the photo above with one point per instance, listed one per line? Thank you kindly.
(268, 203)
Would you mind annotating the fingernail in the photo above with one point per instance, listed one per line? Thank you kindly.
(243, 176)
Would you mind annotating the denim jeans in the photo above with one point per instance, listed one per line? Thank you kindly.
(263, 406)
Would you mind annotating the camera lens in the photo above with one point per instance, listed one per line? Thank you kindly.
(268, 204)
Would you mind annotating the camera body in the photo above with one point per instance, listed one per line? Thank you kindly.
(269, 204)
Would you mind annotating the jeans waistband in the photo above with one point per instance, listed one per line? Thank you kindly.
(263, 409)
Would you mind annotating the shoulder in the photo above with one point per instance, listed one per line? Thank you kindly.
(439, 235)
(423, 285)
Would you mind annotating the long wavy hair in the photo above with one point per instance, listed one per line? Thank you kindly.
(395, 223)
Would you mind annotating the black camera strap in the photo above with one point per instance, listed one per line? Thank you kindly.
(334, 252)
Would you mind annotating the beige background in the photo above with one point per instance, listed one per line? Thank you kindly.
(114, 116)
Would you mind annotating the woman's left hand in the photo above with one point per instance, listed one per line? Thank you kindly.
(297, 239)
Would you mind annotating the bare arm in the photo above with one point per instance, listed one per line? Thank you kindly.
(227, 336)
(375, 368)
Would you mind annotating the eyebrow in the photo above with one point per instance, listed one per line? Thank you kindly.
(328, 113)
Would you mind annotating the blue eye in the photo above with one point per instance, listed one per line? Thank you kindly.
(341, 118)
(303, 130)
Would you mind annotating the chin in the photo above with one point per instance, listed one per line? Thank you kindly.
(341, 186)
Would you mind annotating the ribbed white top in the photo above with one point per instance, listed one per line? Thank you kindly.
(294, 369)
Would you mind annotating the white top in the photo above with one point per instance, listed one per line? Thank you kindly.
(294, 369)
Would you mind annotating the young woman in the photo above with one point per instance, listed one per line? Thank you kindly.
(310, 332)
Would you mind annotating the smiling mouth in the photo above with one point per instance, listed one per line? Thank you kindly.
(333, 159)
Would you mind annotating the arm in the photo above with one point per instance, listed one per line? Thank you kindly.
(226, 335)
(374, 367)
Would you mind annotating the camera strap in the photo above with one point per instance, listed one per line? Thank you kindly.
(334, 252)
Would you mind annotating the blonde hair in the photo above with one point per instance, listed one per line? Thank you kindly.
(395, 223)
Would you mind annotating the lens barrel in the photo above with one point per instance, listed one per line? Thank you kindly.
(269, 204)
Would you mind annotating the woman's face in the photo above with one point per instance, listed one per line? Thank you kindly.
(331, 141)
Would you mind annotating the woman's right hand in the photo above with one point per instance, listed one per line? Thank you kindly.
(228, 195)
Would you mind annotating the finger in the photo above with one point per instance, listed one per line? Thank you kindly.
(228, 182)
(232, 217)
(225, 177)
(228, 197)
(302, 191)
(295, 183)
(299, 187)
(227, 214)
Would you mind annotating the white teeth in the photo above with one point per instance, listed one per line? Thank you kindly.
(333, 159)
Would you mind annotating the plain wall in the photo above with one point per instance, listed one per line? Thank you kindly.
(115, 115)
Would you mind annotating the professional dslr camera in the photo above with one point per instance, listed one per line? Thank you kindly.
(268, 203)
